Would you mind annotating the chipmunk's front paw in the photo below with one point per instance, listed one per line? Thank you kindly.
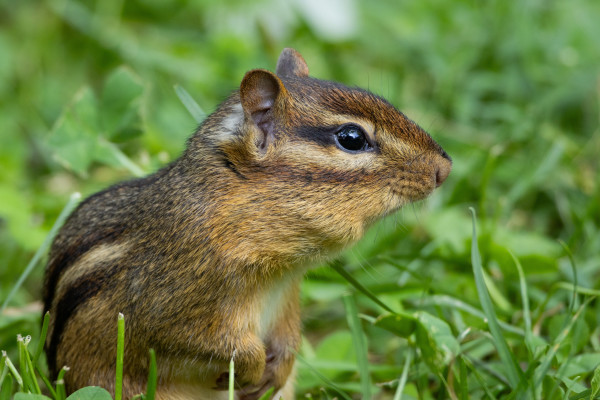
(249, 362)
(279, 363)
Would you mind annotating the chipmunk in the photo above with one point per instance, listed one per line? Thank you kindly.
(205, 257)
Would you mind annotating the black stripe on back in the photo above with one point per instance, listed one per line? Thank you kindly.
(69, 256)
(90, 236)
(81, 291)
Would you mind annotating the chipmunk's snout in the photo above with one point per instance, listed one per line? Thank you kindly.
(442, 169)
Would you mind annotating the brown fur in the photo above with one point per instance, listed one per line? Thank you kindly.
(205, 257)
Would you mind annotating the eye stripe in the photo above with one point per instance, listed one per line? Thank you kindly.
(322, 135)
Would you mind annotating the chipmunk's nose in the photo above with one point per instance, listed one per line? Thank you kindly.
(443, 168)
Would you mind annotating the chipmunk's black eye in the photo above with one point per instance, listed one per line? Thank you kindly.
(352, 138)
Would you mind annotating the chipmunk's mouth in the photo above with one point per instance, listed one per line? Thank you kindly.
(417, 179)
(412, 191)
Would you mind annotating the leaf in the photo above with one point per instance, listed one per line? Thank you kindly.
(74, 135)
(336, 346)
(323, 291)
(595, 383)
(435, 340)
(90, 393)
(449, 228)
(530, 244)
(267, 394)
(433, 336)
(16, 211)
(551, 390)
(451, 302)
(120, 105)
(402, 325)
(30, 396)
(83, 134)
(582, 364)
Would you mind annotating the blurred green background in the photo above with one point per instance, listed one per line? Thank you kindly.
(510, 89)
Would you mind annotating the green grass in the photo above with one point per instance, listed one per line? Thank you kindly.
(424, 307)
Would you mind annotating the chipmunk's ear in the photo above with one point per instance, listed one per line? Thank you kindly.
(291, 63)
(259, 92)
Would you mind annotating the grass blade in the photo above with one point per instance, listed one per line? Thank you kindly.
(190, 104)
(583, 395)
(525, 300)
(61, 393)
(151, 385)
(488, 308)
(403, 377)
(449, 301)
(546, 362)
(232, 377)
(27, 367)
(463, 384)
(27, 385)
(573, 302)
(46, 382)
(553, 157)
(360, 345)
(5, 387)
(40, 345)
(595, 383)
(3, 372)
(11, 368)
(337, 266)
(120, 352)
(482, 384)
(579, 289)
(3, 369)
(498, 298)
(526, 318)
(122, 158)
(43, 249)
(325, 380)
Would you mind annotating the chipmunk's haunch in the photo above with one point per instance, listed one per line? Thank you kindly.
(205, 257)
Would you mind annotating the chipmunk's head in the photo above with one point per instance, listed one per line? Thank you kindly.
(322, 160)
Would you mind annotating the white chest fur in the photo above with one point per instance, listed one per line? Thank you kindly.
(273, 303)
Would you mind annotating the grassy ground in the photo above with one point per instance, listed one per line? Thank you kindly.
(510, 89)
